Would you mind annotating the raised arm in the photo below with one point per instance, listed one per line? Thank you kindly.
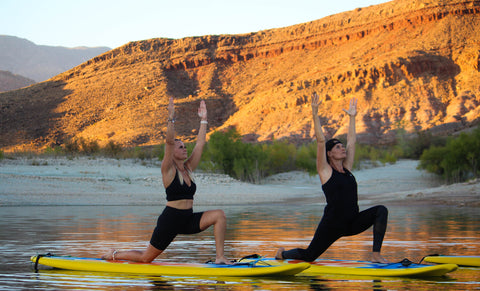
(323, 168)
(194, 159)
(351, 135)
(167, 163)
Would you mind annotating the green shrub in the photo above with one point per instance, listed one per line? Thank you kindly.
(81, 145)
(279, 157)
(250, 163)
(222, 148)
(139, 153)
(56, 151)
(71, 146)
(368, 153)
(89, 146)
(457, 161)
(235, 158)
(414, 147)
(111, 149)
(306, 158)
(431, 160)
(389, 157)
(159, 151)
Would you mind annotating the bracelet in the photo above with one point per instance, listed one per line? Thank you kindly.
(204, 122)
(172, 120)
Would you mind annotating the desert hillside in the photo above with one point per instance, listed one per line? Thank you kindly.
(412, 65)
(9, 81)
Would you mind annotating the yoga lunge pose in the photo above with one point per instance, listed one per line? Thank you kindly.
(178, 216)
(341, 216)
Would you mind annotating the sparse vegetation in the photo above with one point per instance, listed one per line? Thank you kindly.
(55, 151)
(82, 147)
(306, 158)
(227, 153)
(233, 157)
(456, 159)
(112, 149)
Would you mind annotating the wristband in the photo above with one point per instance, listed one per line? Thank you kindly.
(204, 122)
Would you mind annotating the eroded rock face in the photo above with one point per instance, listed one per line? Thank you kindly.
(411, 64)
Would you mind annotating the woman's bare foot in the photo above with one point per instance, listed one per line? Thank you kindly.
(110, 255)
(278, 255)
(223, 260)
(377, 258)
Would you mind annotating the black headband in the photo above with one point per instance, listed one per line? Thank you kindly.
(331, 143)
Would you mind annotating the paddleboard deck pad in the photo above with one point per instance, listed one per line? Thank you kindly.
(361, 268)
(255, 268)
(467, 261)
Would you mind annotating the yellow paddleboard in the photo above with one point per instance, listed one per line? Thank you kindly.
(361, 268)
(468, 261)
(253, 269)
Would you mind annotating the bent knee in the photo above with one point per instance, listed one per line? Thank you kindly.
(382, 210)
(220, 214)
(212, 217)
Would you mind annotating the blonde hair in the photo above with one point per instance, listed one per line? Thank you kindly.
(189, 173)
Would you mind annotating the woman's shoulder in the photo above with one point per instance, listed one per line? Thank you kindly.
(168, 174)
(325, 174)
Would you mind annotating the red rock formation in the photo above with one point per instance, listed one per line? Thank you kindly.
(411, 64)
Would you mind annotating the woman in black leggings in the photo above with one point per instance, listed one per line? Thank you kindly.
(341, 216)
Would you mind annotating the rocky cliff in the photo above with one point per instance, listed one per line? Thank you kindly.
(411, 64)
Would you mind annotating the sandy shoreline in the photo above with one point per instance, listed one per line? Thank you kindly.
(100, 181)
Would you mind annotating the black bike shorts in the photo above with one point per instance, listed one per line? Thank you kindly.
(174, 221)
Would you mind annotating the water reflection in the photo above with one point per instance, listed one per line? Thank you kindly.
(413, 232)
(107, 281)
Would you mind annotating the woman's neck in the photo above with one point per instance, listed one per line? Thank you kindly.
(337, 165)
(184, 173)
(180, 165)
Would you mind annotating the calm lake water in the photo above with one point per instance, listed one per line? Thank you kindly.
(413, 232)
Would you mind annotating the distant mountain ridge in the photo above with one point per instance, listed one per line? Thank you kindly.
(40, 62)
(9, 81)
(413, 65)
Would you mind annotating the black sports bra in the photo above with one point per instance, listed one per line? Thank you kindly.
(176, 191)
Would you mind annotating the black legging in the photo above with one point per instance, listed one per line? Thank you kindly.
(326, 235)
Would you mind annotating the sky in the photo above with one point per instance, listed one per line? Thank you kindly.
(113, 23)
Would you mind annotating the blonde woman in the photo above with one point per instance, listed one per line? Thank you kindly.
(178, 216)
